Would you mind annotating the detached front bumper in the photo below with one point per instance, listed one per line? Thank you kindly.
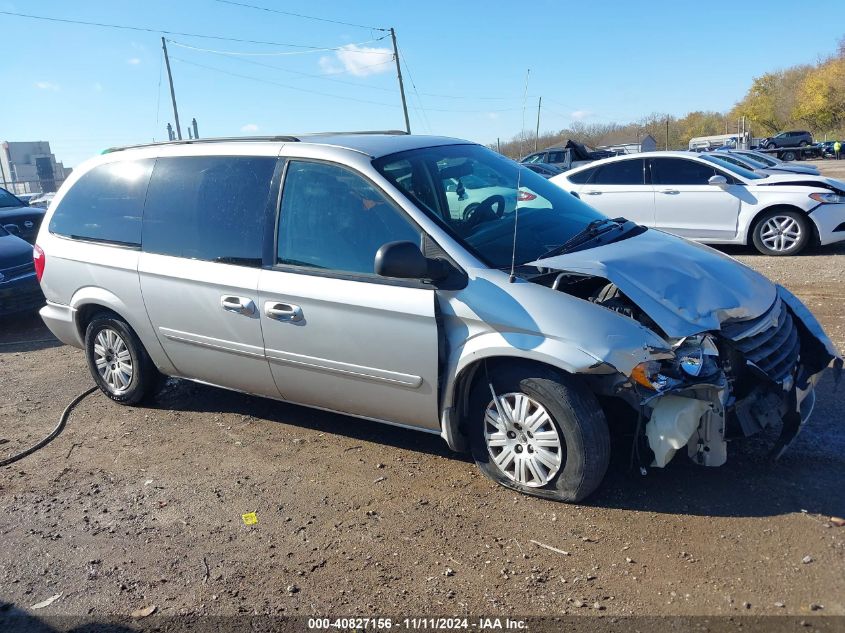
(770, 367)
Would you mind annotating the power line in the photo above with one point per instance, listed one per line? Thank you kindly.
(326, 94)
(280, 53)
(276, 83)
(162, 31)
(416, 92)
(298, 15)
(324, 76)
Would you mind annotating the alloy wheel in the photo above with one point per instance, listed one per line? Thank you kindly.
(780, 233)
(522, 439)
(113, 360)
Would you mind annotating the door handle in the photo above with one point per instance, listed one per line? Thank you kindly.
(593, 192)
(283, 311)
(669, 191)
(239, 305)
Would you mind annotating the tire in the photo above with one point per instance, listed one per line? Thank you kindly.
(787, 156)
(567, 411)
(803, 144)
(129, 375)
(795, 226)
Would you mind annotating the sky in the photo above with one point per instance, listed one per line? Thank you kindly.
(465, 63)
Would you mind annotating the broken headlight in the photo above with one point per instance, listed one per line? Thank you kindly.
(695, 357)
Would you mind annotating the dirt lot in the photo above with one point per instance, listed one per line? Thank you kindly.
(133, 507)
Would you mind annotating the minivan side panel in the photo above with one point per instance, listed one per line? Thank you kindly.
(369, 349)
(203, 338)
(80, 274)
(492, 317)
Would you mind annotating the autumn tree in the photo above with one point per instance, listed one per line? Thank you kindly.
(821, 96)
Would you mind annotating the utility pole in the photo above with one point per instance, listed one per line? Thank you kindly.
(3, 171)
(172, 93)
(537, 134)
(398, 73)
(667, 133)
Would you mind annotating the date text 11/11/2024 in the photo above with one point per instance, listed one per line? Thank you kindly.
(417, 624)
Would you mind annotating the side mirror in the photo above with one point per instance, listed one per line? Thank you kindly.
(404, 260)
(717, 180)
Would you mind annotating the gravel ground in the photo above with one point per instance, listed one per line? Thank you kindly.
(132, 507)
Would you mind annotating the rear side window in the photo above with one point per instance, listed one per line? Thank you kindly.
(209, 207)
(677, 171)
(105, 204)
(623, 172)
(582, 177)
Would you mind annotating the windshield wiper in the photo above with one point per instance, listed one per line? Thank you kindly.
(589, 232)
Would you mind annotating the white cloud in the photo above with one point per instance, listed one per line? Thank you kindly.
(47, 85)
(133, 61)
(580, 115)
(358, 60)
(249, 127)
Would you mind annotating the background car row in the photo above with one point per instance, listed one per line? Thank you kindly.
(704, 197)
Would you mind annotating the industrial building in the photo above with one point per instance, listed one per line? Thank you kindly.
(30, 167)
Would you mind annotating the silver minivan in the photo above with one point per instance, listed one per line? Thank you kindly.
(428, 283)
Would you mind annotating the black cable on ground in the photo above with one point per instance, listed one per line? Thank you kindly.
(55, 432)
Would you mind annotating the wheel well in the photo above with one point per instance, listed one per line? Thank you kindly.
(85, 314)
(777, 207)
(477, 371)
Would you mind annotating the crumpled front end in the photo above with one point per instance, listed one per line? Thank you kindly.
(735, 382)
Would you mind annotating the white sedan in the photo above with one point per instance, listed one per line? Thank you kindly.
(706, 199)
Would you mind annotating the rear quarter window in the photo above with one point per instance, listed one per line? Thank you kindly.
(105, 204)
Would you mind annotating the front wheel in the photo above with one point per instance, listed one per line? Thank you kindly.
(788, 156)
(781, 233)
(118, 361)
(543, 434)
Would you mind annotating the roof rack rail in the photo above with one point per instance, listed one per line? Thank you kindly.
(247, 139)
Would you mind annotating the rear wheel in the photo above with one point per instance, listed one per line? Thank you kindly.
(781, 232)
(544, 433)
(788, 155)
(118, 361)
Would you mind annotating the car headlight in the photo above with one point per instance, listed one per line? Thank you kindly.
(695, 357)
(828, 198)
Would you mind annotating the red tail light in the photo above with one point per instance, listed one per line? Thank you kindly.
(40, 260)
(524, 196)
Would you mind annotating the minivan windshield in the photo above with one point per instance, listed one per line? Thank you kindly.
(475, 193)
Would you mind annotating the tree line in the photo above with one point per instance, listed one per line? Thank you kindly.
(807, 96)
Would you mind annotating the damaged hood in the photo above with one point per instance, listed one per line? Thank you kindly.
(686, 288)
(801, 180)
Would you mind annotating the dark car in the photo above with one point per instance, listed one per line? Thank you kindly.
(19, 289)
(546, 170)
(566, 156)
(793, 138)
(826, 147)
(18, 218)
